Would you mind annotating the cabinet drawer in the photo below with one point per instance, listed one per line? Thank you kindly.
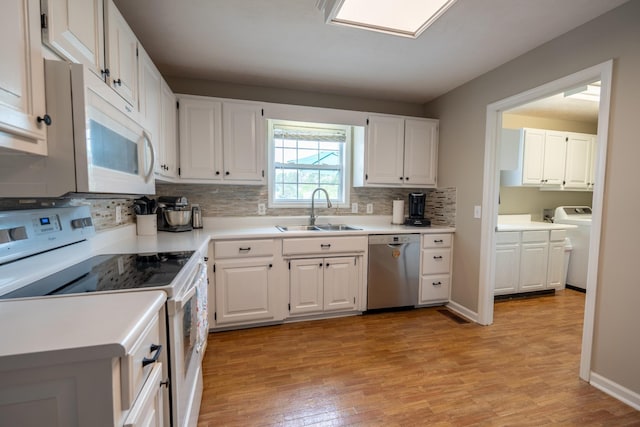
(324, 245)
(558, 235)
(436, 261)
(504, 237)
(436, 240)
(133, 373)
(535, 236)
(434, 288)
(243, 248)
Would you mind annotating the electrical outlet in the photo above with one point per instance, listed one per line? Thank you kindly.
(477, 211)
(118, 214)
(369, 208)
(354, 208)
(262, 209)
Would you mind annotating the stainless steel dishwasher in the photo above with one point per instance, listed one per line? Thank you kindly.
(394, 270)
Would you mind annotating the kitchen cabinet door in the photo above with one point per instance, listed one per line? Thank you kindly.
(578, 163)
(200, 138)
(594, 160)
(385, 150)
(75, 30)
(122, 55)
(306, 278)
(244, 290)
(420, 152)
(555, 153)
(243, 142)
(533, 163)
(168, 136)
(340, 280)
(22, 101)
(507, 268)
(533, 266)
(555, 273)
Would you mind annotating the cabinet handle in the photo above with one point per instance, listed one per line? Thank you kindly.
(244, 249)
(154, 347)
(46, 119)
(206, 259)
(117, 82)
(325, 245)
(438, 241)
(437, 283)
(437, 257)
(105, 72)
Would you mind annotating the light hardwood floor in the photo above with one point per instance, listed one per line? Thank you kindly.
(410, 368)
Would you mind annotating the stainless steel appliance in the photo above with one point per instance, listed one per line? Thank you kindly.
(196, 216)
(416, 211)
(174, 214)
(181, 275)
(394, 271)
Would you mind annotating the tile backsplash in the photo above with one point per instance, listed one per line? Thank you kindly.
(238, 200)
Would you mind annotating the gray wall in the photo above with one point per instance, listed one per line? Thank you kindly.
(462, 114)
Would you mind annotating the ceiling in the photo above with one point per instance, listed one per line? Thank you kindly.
(561, 108)
(286, 44)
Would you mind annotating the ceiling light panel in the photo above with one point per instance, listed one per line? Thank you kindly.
(406, 18)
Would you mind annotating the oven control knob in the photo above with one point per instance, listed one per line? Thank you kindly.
(76, 223)
(4, 236)
(87, 222)
(18, 233)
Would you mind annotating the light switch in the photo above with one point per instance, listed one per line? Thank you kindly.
(477, 211)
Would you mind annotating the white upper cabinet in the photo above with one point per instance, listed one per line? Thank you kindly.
(22, 102)
(579, 168)
(545, 158)
(221, 141)
(149, 102)
(121, 55)
(243, 141)
(420, 152)
(398, 152)
(75, 30)
(168, 150)
(200, 138)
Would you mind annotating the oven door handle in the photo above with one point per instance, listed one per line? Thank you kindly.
(186, 298)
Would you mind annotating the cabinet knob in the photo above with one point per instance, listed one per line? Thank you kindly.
(437, 257)
(436, 283)
(46, 119)
(217, 172)
(406, 178)
(401, 178)
(226, 173)
(105, 72)
(117, 82)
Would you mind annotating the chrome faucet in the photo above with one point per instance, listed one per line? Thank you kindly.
(312, 217)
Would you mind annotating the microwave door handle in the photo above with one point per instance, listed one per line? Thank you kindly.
(152, 165)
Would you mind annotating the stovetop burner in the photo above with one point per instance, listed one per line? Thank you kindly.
(105, 273)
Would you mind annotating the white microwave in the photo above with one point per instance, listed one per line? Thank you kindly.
(96, 143)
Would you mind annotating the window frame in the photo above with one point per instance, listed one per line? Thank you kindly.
(346, 167)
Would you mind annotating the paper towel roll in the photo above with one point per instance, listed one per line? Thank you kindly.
(398, 212)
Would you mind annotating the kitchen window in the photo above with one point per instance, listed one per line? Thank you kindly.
(304, 156)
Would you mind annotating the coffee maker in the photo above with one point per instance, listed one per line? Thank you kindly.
(416, 211)
(174, 214)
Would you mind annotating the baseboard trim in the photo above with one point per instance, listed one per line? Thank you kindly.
(575, 288)
(462, 311)
(615, 390)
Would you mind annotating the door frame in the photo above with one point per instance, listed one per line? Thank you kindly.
(491, 189)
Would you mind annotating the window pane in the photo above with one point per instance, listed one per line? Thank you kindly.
(309, 177)
(290, 155)
(289, 191)
(308, 145)
(329, 177)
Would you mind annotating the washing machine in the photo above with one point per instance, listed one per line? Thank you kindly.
(580, 237)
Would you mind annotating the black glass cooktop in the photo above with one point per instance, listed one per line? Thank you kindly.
(108, 273)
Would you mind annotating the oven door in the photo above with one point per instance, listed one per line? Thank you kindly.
(187, 332)
(114, 153)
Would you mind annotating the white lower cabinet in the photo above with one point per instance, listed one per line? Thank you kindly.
(322, 284)
(528, 261)
(246, 282)
(435, 268)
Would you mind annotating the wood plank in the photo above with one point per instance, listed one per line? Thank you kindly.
(409, 368)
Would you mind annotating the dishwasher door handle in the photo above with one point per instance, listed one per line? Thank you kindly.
(396, 245)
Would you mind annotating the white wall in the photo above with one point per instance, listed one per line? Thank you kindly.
(462, 114)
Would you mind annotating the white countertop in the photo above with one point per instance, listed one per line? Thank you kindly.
(524, 223)
(73, 328)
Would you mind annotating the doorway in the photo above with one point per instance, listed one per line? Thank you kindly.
(494, 124)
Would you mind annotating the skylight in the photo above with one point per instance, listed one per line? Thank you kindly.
(407, 18)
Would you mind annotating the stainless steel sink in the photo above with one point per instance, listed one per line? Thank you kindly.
(318, 227)
(297, 228)
(337, 227)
